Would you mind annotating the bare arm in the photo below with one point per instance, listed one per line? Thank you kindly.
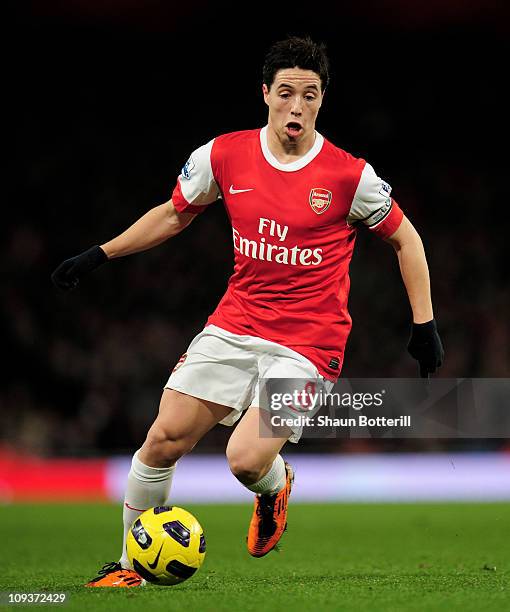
(413, 267)
(156, 226)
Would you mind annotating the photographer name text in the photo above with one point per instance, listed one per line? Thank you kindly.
(360, 420)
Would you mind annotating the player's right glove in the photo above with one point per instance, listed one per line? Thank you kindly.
(426, 347)
(68, 274)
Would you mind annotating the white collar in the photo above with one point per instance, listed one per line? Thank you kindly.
(295, 165)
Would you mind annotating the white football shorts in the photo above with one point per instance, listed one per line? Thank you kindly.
(225, 368)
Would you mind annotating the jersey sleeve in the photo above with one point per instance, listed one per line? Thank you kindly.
(196, 187)
(373, 205)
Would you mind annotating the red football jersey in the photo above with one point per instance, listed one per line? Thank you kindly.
(293, 232)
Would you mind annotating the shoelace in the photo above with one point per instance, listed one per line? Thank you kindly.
(109, 567)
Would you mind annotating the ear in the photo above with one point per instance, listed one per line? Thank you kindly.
(265, 92)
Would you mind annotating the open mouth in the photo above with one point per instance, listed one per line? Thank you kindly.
(293, 128)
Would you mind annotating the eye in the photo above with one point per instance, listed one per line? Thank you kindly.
(285, 96)
(309, 98)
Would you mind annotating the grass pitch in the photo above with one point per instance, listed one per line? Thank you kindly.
(334, 557)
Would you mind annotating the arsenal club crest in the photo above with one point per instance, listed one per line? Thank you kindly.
(320, 199)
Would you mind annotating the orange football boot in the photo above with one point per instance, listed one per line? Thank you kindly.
(269, 519)
(114, 575)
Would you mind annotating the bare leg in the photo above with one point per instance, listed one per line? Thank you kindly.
(250, 457)
(181, 422)
(255, 461)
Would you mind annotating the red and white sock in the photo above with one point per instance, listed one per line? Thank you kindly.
(146, 487)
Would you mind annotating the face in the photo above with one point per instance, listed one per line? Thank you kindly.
(294, 100)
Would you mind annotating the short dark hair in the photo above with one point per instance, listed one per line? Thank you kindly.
(296, 52)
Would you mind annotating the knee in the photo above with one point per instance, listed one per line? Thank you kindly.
(245, 466)
(163, 447)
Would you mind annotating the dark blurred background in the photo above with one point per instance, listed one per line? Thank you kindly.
(109, 99)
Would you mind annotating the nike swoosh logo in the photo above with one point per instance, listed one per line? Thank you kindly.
(155, 562)
(234, 191)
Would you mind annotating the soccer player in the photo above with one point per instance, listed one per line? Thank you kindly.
(294, 201)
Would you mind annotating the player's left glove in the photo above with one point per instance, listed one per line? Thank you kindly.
(426, 347)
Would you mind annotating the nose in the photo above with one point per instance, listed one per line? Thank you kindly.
(296, 106)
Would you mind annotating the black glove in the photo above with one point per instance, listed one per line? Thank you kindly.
(68, 274)
(426, 347)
